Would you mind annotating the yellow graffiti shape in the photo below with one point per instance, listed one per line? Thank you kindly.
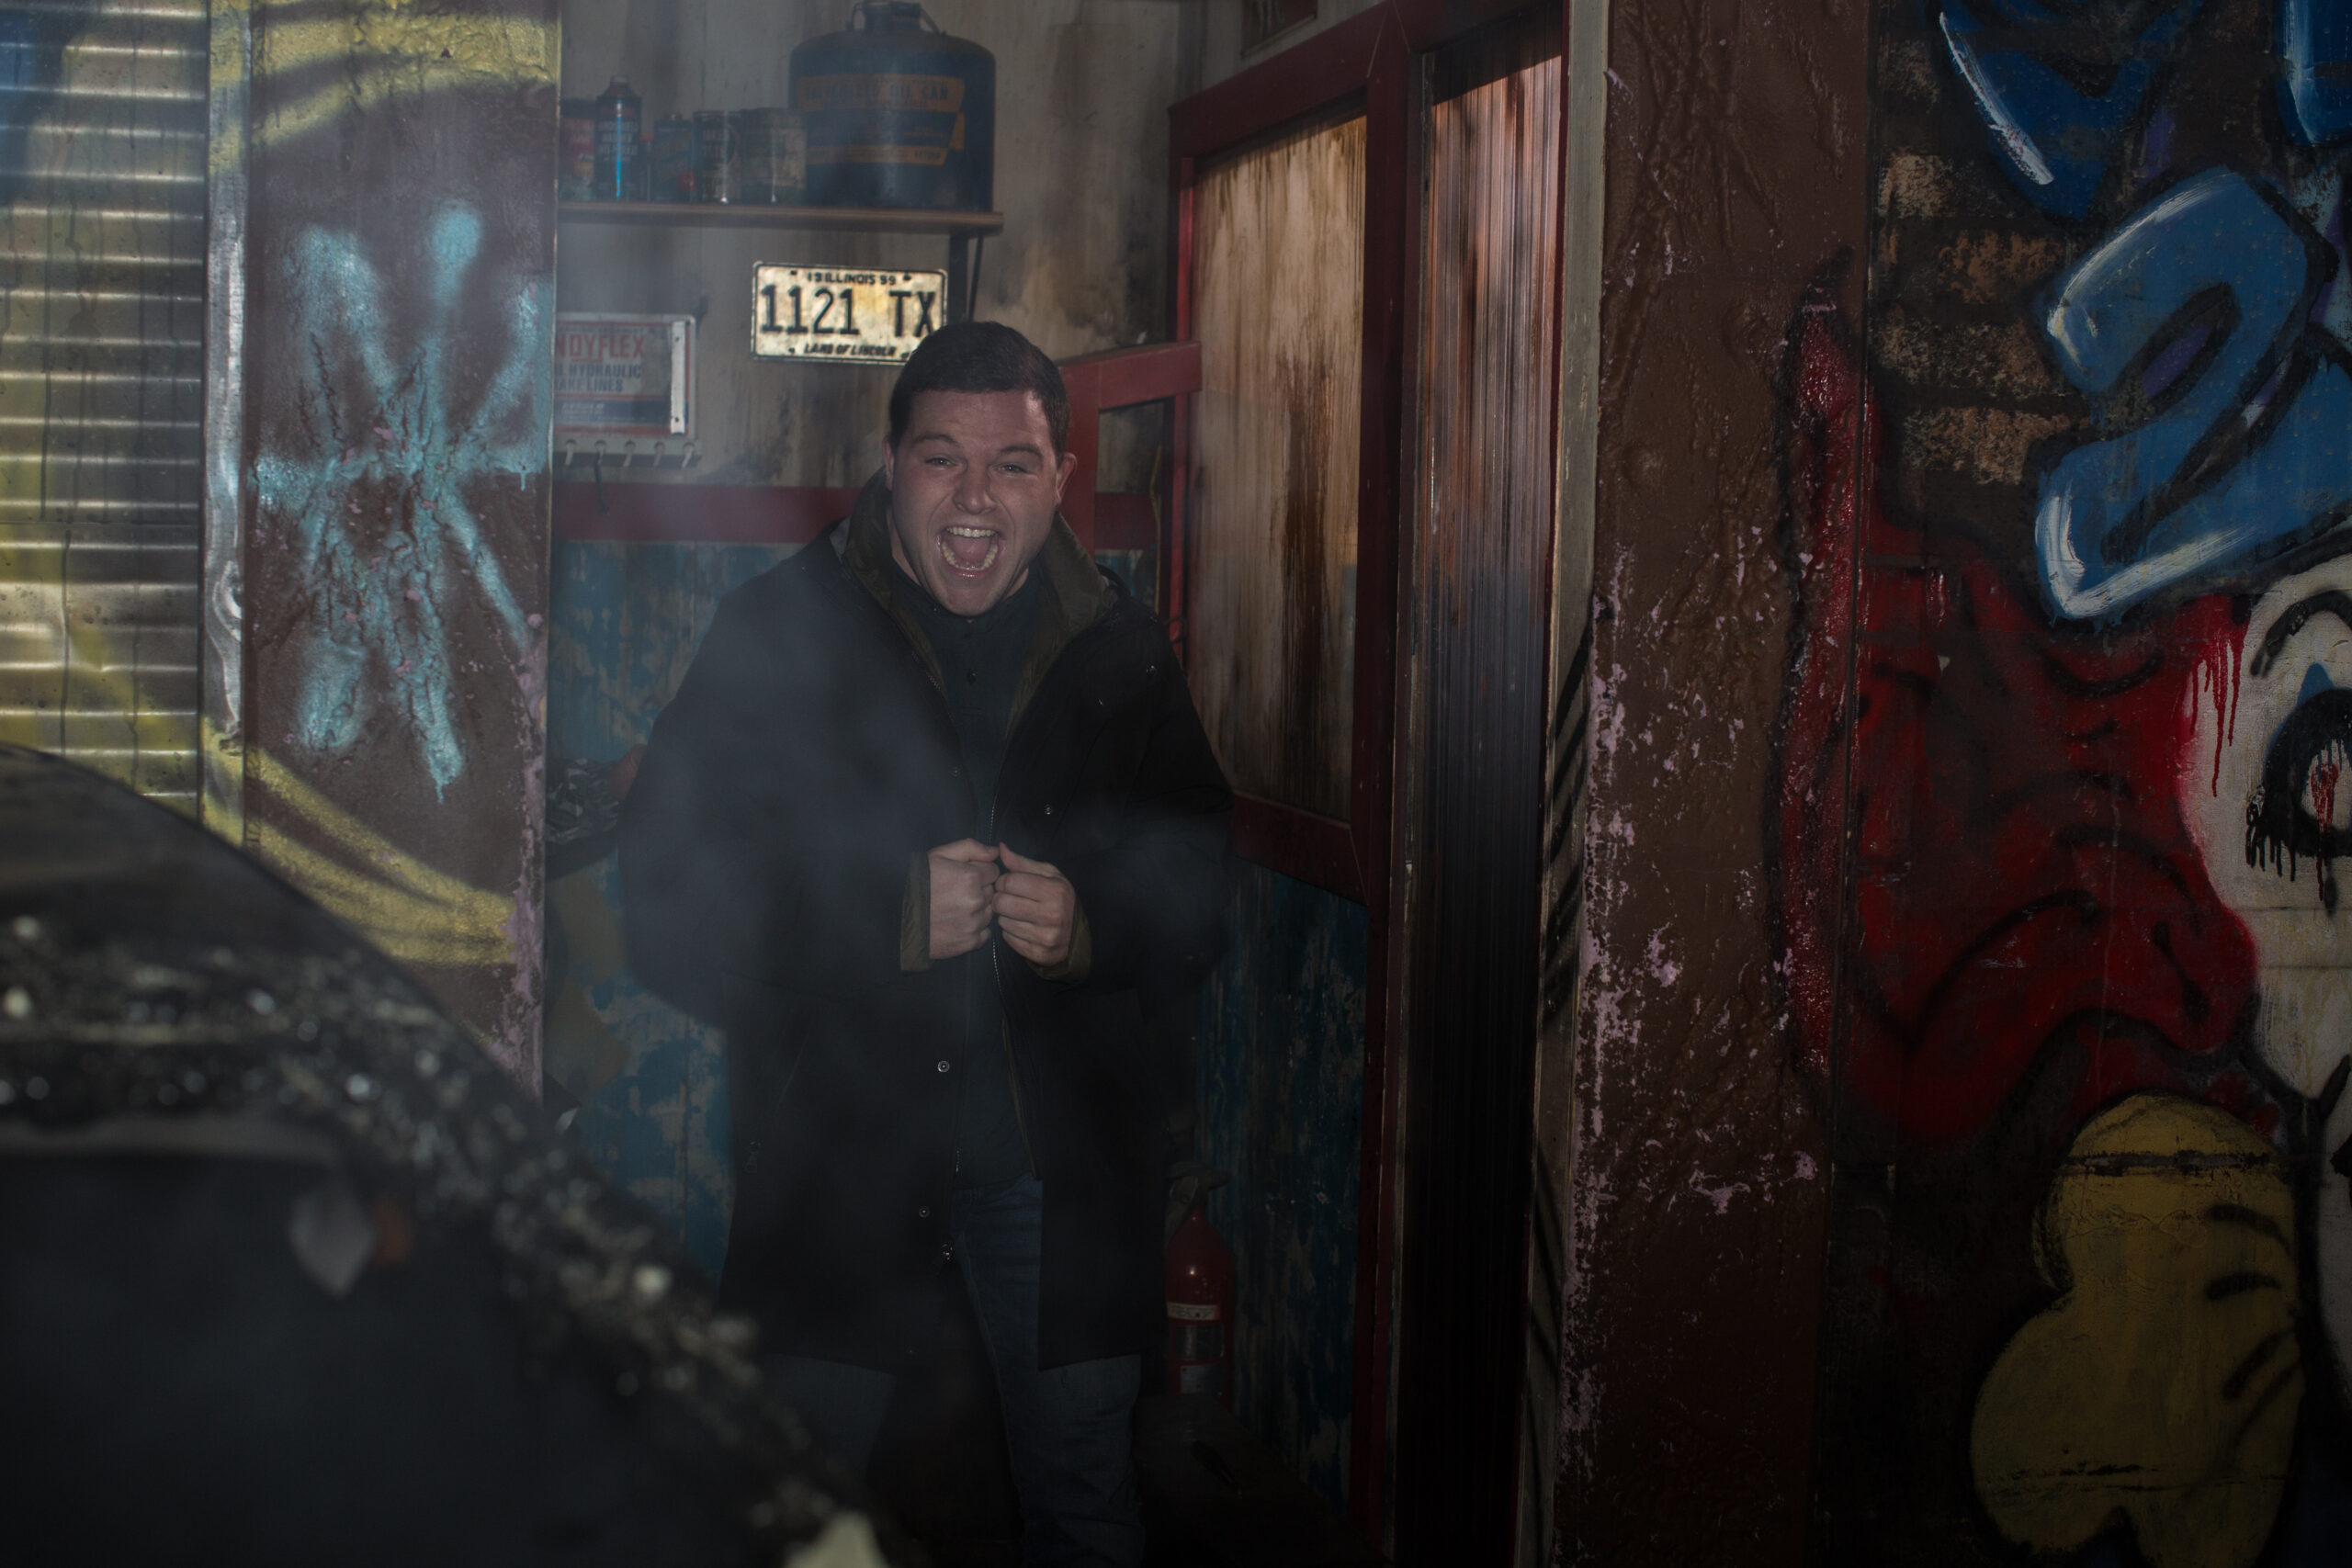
(385, 51)
(414, 913)
(2160, 1390)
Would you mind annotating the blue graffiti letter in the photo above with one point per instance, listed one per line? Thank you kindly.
(2191, 325)
(2057, 139)
(2315, 70)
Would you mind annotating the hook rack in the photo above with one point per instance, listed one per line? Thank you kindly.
(657, 455)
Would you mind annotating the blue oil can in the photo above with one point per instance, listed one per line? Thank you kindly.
(898, 114)
(621, 158)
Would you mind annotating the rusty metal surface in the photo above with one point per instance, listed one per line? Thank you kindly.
(102, 233)
(1481, 521)
(1278, 310)
(399, 312)
(159, 990)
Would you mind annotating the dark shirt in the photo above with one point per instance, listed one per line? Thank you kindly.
(980, 660)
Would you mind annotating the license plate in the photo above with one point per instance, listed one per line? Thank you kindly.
(843, 314)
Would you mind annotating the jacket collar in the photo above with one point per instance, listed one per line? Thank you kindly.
(1076, 594)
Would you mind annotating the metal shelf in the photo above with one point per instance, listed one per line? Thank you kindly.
(817, 219)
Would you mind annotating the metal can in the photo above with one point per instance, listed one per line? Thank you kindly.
(575, 150)
(899, 114)
(771, 157)
(714, 156)
(620, 166)
(673, 158)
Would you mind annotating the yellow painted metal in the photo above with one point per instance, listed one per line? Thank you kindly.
(102, 229)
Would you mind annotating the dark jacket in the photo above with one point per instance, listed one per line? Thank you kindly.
(769, 862)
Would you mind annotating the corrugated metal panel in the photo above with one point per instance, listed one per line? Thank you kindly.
(102, 174)
(1482, 514)
(1278, 306)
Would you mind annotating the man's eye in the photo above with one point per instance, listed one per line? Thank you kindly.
(939, 462)
(1016, 468)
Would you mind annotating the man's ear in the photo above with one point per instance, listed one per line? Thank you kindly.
(889, 465)
(1061, 475)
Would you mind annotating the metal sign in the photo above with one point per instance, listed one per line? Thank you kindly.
(843, 314)
(629, 376)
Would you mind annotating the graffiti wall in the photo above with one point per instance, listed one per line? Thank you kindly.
(2062, 783)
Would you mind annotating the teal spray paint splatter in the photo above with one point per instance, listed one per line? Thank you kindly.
(387, 607)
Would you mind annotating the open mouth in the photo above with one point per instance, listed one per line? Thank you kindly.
(969, 552)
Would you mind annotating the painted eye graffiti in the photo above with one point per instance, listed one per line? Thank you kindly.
(2302, 809)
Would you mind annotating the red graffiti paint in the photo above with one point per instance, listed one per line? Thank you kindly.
(1983, 858)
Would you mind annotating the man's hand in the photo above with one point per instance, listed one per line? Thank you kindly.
(962, 886)
(1036, 909)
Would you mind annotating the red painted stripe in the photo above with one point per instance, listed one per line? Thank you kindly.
(690, 513)
(1145, 374)
(1297, 844)
(1125, 522)
(767, 514)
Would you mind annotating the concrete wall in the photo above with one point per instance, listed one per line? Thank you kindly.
(1214, 51)
(1081, 176)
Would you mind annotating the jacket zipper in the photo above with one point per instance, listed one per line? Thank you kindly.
(1012, 1062)
(1005, 1017)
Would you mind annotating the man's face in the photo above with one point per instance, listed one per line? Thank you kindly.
(973, 487)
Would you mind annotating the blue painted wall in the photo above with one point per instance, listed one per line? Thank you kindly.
(652, 1083)
(1281, 1108)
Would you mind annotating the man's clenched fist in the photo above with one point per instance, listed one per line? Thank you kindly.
(1035, 907)
(962, 886)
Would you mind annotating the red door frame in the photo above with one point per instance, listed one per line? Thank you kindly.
(1366, 59)
(1371, 57)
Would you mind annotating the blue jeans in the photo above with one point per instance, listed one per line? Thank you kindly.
(1070, 1428)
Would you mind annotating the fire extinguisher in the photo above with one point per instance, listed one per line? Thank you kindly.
(1200, 1295)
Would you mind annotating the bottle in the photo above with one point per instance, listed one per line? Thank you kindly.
(673, 158)
(619, 120)
(575, 161)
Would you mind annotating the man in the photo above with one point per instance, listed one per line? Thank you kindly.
(933, 831)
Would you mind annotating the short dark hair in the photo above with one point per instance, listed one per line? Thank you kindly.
(980, 356)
